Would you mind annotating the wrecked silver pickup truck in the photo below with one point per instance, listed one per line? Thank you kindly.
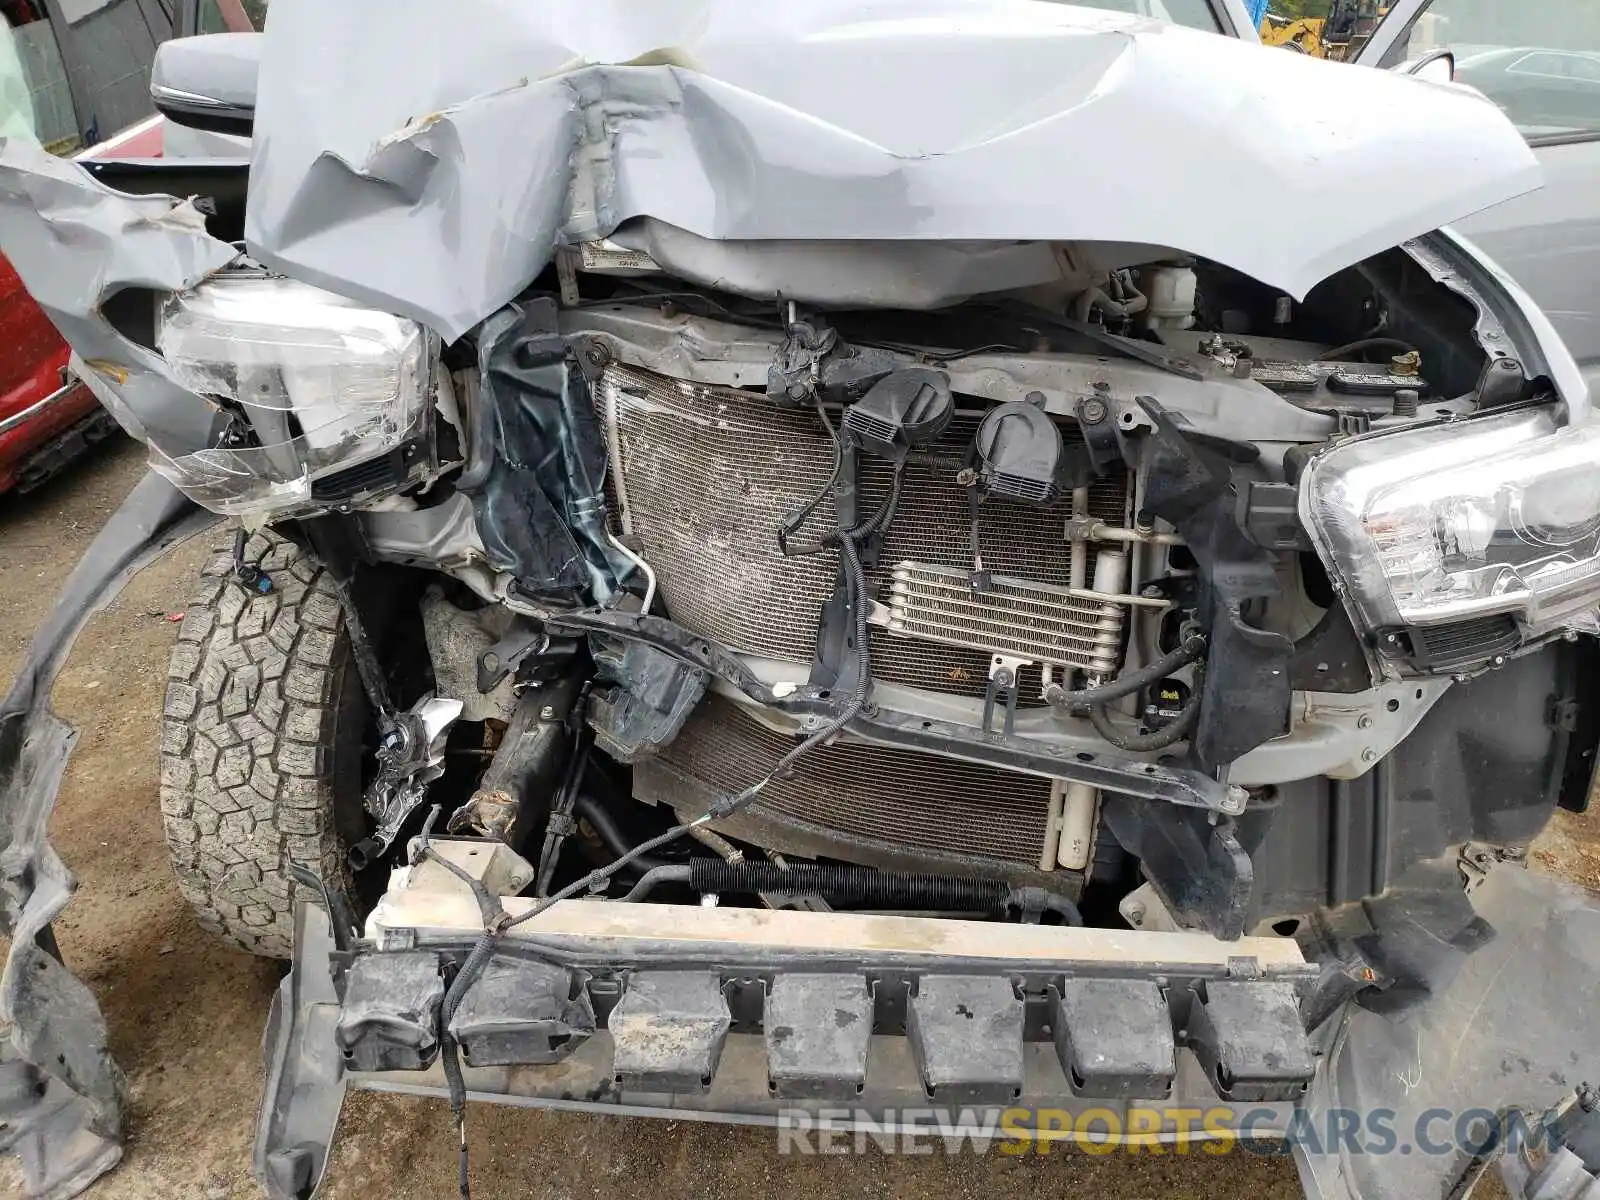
(800, 556)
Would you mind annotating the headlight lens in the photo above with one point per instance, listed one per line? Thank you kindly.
(1499, 514)
(322, 383)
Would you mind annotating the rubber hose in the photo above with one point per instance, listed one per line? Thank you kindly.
(868, 887)
(854, 885)
(1129, 682)
(1037, 900)
(656, 876)
(603, 823)
(1159, 739)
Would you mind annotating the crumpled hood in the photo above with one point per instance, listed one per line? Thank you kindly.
(429, 162)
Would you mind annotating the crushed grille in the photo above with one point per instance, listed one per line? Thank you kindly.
(862, 802)
(711, 474)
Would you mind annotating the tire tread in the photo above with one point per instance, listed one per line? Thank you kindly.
(249, 723)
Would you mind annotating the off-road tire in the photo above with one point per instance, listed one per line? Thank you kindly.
(260, 744)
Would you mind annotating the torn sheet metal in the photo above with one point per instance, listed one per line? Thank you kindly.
(77, 245)
(62, 1098)
(440, 190)
(1513, 1030)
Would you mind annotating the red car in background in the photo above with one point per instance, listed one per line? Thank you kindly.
(47, 418)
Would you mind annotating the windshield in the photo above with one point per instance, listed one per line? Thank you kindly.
(1196, 14)
(1540, 62)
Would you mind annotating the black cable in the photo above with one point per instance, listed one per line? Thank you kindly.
(886, 510)
(450, 1052)
(1363, 345)
(992, 347)
(488, 909)
(792, 525)
(595, 880)
(248, 575)
(483, 950)
(858, 577)
(1129, 682)
(559, 824)
(1169, 734)
(872, 525)
(978, 579)
(488, 902)
(723, 809)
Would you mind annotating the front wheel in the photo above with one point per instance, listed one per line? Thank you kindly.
(261, 744)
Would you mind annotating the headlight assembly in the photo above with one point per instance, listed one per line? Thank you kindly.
(1495, 515)
(316, 382)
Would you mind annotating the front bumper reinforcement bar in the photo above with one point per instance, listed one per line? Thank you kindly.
(760, 1016)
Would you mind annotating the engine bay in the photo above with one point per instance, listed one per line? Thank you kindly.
(967, 560)
(1020, 564)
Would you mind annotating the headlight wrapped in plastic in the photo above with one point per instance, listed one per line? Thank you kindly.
(1496, 515)
(320, 384)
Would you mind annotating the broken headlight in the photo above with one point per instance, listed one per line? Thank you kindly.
(1496, 515)
(315, 383)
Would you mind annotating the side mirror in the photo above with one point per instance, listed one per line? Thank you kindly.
(208, 82)
(1436, 66)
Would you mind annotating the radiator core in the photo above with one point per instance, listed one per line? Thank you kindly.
(887, 807)
(711, 473)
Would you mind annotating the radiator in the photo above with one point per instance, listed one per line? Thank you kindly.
(711, 473)
(885, 807)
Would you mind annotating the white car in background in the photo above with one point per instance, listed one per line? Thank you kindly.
(1540, 62)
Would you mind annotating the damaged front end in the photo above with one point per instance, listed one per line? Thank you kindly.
(935, 618)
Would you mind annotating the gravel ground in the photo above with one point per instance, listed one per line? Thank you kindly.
(186, 1014)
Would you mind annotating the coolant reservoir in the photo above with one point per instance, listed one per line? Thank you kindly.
(1172, 292)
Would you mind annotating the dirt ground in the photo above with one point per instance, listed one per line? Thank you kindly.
(186, 1014)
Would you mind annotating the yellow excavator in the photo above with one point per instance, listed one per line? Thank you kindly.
(1303, 34)
(1337, 36)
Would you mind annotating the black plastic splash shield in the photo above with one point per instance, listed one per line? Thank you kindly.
(62, 1097)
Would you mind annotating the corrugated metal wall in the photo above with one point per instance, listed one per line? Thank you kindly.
(47, 82)
(107, 47)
